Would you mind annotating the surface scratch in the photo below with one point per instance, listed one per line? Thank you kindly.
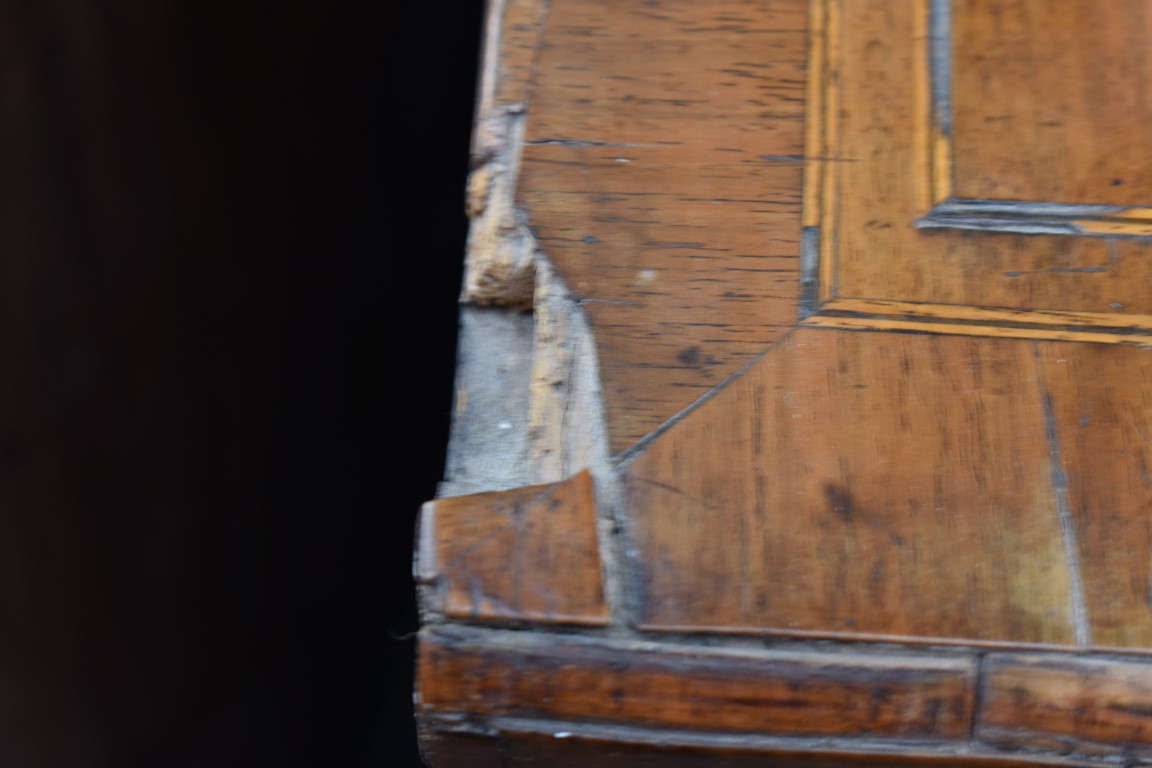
(1081, 625)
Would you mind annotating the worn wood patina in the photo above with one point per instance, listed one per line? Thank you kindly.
(827, 441)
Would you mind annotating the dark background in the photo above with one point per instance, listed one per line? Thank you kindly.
(230, 241)
(436, 84)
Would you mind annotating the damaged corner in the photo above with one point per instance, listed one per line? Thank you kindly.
(500, 251)
(568, 426)
(529, 405)
(500, 265)
(529, 408)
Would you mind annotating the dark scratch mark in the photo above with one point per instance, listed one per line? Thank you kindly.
(1081, 626)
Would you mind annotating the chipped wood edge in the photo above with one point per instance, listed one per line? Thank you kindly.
(559, 410)
(559, 427)
(500, 264)
(555, 429)
(501, 250)
(563, 397)
(568, 429)
(551, 423)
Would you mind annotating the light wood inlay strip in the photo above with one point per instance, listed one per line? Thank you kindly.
(1105, 328)
(814, 135)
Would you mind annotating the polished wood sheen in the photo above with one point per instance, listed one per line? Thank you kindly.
(895, 460)
(841, 385)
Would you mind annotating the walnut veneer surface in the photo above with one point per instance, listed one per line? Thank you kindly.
(837, 437)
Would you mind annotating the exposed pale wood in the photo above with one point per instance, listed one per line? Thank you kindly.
(1102, 403)
(1068, 704)
(667, 195)
(528, 554)
(882, 484)
(500, 267)
(565, 413)
(494, 673)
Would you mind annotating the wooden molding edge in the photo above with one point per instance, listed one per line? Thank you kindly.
(475, 672)
(1067, 704)
(849, 705)
(577, 745)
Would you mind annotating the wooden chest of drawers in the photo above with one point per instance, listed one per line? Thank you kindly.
(827, 440)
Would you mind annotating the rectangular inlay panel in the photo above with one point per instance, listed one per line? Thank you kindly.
(1010, 134)
(980, 167)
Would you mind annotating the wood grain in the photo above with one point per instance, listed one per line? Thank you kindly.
(520, 674)
(1102, 404)
(528, 554)
(879, 128)
(501, 255)
(1050, 101)
(873, 314)
(582, 745)
(668, 196)
(876, 484)
(513, 40)
(1068, 704)
(974, 498)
